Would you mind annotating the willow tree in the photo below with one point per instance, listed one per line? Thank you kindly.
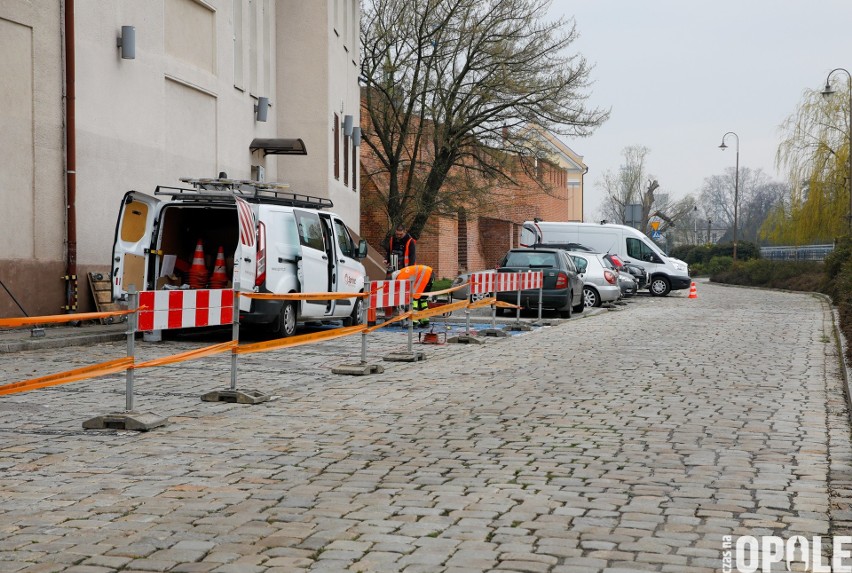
(815, 152)
(450, 90)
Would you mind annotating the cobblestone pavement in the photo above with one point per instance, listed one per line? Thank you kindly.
(632, 440)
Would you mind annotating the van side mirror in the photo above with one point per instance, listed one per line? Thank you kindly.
(362, 249)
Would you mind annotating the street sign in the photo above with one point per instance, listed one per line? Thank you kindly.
(655, 225)
(656, 235)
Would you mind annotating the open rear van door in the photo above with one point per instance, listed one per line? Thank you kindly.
(134, 232)
(246, 263)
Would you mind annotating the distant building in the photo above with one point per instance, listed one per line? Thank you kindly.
(185, 106)
(476, 238)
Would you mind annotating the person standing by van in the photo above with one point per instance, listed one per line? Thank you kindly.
(401, 250)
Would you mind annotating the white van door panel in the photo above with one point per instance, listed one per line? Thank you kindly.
(245, 257)
(350, 271)
(313, 267)
(134, 232)
(283, 249)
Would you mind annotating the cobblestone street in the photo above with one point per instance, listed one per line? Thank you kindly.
(631, 440)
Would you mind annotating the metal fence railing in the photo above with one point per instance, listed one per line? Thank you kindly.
(802, 253)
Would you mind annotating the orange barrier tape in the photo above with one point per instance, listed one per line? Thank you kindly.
(299, 340)
(402, 316)
(444, 308)
(483, 302)
(93, 371)
(305, 295)
(502, 304)
(190, 355)
(59, 318)
(445, 291)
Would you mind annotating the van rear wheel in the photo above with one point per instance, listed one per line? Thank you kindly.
(285, 323)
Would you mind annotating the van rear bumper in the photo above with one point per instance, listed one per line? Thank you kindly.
(262, 312)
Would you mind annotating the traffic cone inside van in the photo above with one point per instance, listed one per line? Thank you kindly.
(219, 278)
(693, 291)
(198, 271)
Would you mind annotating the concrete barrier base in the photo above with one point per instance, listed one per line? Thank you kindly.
(235, 396)
(137, 421)
(464, 339)
(497, 332)
(357, 369)
(519, 327)
(414, 356)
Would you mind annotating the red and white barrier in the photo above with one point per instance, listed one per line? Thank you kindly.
(482, 283)
(385, 294)
(165, 309)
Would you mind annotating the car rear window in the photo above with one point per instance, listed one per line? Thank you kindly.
(532, 260)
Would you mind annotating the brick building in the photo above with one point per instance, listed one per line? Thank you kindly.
(477, 237)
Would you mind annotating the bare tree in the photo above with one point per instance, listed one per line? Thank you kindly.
(450, 90)
(756, 194)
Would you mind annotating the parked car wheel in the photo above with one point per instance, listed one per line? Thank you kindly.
(357, 316)
(591, 297)
(285, 324)
(579, 308)
(660, 286)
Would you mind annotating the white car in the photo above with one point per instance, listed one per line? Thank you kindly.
(600, 284)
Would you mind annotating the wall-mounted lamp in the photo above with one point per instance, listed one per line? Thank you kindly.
(262, 108)
(356, 136)
(347, 125)
(127, 43)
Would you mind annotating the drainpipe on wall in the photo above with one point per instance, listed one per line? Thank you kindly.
(583, 192)
(70, 163)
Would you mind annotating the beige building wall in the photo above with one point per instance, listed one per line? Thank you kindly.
(32, 169)
(184, 107)
(319, 66)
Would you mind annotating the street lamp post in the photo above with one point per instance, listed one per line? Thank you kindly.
(736, 185)
(827, 92)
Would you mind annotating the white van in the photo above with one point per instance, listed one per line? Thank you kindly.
(274, 242)
(664, 273)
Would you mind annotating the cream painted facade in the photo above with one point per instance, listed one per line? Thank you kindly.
(184, 107)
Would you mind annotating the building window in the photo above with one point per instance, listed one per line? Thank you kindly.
(346, 140)
(354, 168)
(336, 147)
(462, 240)
(239, 82)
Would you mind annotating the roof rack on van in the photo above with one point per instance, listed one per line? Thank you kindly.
(253, 191)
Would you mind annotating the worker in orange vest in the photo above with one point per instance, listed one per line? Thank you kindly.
(421, 277)
(401, 249)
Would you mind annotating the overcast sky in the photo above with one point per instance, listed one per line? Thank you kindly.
(678, 74)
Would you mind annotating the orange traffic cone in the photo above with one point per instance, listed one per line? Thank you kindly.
(198, 271)
(693, 291)
(219, 278)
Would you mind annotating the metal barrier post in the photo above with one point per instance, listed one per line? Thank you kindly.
(467, 319)
(410, 318)
(363, 348)
(232, 394)
(235, 334)
(133, 303)
(518, 310)
(540, 287)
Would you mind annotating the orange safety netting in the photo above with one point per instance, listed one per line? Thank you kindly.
(446, 290)
(93, 371)
(483, 302)
(299, 340)
(398, 318)
(435, 311)
(58, 318)
(305, 295)
(190, 355)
